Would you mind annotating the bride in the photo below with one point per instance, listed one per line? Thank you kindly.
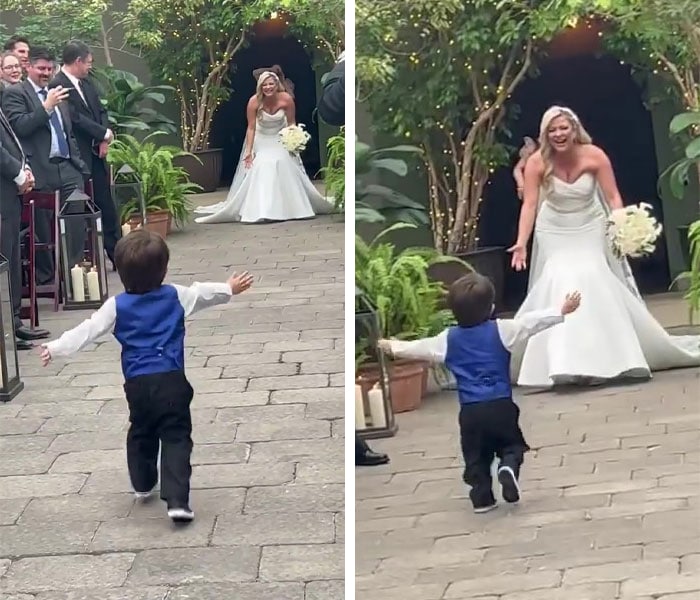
(569, 188)
(270, 184)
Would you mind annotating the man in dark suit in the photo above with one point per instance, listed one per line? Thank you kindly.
(15, 178)
(41, 120)
(92, 132)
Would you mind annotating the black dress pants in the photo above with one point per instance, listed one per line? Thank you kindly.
(159, 412)
(489, 429)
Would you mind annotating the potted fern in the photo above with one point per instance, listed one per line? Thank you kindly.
(408, 304)
(165, 187)
(334, 172)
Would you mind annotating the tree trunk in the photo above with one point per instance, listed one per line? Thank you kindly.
(105, 43)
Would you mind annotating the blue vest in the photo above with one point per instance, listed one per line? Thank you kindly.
(480, 363)
(151, 330)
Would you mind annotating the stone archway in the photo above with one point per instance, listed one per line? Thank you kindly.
(269, 46)
(610, 104)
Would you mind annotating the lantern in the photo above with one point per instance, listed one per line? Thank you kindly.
(10, 384)
(83, 272)
(374, 415)
(127, 192)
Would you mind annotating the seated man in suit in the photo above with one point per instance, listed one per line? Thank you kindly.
(92, 132)
(42, 123)
(15, 179)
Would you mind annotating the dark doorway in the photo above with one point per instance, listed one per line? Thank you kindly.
(609, 102)
(229, 127)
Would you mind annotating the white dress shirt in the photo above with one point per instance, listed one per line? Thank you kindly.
(193, 299)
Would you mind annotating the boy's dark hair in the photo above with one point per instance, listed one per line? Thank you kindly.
(14, 40)
(74, 50)
(142, 259)
(40, 53)
(471, 299)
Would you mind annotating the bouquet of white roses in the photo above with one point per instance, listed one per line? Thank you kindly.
(294, 138)
(633, 231)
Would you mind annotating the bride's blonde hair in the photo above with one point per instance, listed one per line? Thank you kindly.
(581, 136)
(265, 75)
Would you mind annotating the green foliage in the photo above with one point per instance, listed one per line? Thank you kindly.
(408, 303)
(190, 44)
(334, 172)
(692, 276)
(686, 125)
(164, 186)
(126, 100)
(56, 29)
(375, 203)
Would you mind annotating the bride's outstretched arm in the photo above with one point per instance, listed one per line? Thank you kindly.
(531, 192)
(290, 110)
(606, 180)
(252, 115)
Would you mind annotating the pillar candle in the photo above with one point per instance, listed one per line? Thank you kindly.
(126, 229)
(360, 422)
(376, 407)
(77, 278)
(93, 283)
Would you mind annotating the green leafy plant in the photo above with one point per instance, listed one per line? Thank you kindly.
(688, 125)
(126, 100)
(407, 301)
(334, 172)
(376, 203)
(164, 186)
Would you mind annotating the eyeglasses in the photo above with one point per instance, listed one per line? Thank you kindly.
(12, 68)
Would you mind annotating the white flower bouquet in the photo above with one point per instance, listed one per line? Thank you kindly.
(633, 231)
(294, 138)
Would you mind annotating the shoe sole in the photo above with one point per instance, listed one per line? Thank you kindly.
(509, 485)
(180, 515)
(485, 509)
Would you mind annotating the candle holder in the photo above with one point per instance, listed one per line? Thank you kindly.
(127, 191)
(374, 415)
(83, 272)
(10, 383)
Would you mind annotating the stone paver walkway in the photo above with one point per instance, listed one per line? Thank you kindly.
(268, 430)
(611, 503)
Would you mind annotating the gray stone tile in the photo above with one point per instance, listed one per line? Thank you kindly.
(268, 530)
(66, 572)
(240, 591)
(307, 563)
(183, 566)
(296, 498)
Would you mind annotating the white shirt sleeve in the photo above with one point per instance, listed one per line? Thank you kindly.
(108, 134)
(202, 295)
(516, 331)
(21, 178)
(89, 331)
(431, 349)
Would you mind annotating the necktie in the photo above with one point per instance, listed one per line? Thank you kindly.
(57, 129)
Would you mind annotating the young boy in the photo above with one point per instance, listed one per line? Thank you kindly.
(148, 320)
(477, 352)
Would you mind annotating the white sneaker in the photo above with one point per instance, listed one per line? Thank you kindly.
(484, 509)
(144, 495)
(182, 514)
(509, 484)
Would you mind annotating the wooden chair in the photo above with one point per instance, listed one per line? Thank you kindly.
(30, 246)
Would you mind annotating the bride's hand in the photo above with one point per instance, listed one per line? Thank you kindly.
(519, 259)
(248, 161)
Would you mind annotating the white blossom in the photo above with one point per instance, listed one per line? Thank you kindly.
(294, 138)
(633, 231)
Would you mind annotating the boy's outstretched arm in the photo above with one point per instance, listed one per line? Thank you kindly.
(89, 331)
(517, 331)
(203, 295)
(431, 349)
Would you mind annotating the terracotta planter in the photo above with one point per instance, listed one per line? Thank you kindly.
(207, 173)
(408, 380)
(157, 222)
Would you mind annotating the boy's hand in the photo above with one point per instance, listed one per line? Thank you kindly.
(240, 283)
(45, 355)
(384, 346)
(571, 303)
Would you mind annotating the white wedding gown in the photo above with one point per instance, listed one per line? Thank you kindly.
(275, 188)
(612, 334)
